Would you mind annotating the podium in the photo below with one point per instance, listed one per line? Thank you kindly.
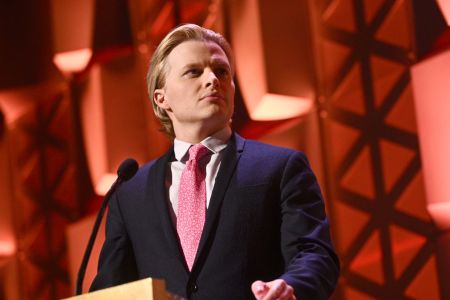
(144, 289)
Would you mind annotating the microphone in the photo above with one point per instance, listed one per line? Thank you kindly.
(126, 171)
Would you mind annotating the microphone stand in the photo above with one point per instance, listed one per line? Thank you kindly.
(90, 245)
(126, 170)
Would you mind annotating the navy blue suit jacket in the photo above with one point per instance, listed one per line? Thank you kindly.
(265, 220)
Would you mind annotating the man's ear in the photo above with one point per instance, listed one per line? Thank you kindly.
(159, 98)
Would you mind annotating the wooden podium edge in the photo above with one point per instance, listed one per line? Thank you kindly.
(144, 289)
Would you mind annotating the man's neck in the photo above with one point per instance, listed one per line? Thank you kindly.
(195, 136)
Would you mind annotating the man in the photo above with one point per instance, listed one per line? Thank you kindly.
(218, 216)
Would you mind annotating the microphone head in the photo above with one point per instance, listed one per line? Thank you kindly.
(127, 169)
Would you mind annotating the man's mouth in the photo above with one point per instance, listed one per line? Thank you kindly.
(212, 96)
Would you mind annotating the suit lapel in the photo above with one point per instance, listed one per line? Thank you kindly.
(157, 186)
(227, 167)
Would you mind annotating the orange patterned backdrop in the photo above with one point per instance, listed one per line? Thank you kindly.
(329, 77)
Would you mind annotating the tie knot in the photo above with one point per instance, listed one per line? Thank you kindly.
(197, 152)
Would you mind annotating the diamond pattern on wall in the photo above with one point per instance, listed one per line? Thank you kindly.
(334, 62)
(366, 263)
(46, 194)
(359, 178)
(371, 8)
(356, 295)
(349, 96)
(373, 157)
(339, 14)
(412, 199)
(403, 115)
(395, 159)
(352, 221)
(425, 278)
(395, 28)
(406, 245)
(386, 75)
(66, 193)
(342, 138)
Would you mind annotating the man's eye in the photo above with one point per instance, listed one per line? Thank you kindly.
(193, 72)
(221, 72)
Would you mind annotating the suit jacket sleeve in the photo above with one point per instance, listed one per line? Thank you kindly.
(312, 265)
(116, 263)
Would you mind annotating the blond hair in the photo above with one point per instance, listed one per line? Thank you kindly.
(156, 77)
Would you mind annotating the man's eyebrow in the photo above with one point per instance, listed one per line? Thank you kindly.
(221, 62)
(217, 62)
(190, 65)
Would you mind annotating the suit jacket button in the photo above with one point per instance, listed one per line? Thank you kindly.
(193, 287)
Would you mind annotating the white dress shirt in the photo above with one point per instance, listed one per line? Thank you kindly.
(216, 143)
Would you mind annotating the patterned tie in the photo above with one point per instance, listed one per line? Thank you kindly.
(192, 203)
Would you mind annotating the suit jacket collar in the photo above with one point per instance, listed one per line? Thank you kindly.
(158, 194)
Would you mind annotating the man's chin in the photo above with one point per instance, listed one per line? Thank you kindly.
(215, 112)
(216, 122)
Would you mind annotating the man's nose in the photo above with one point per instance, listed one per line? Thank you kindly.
(211, 79)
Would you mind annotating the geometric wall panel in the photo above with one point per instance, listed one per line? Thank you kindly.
(402, 115)
(359, 177)
(342, 138)
(406, 245)
(351, 221)
(339, 14)
(395, 159)
(46, 183)
(396, 26)
(356, 295)
(349, 95)
(425, 285)
(334, 62)
(380, 221)
(269, 96)
(385, 74)
(412, 200)
(366, 263)
(371, 9)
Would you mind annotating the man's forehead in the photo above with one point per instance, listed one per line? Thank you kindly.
(194, 51)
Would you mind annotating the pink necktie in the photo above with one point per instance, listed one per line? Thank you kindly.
(192, 203)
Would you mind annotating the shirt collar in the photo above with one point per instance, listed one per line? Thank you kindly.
(215, 143)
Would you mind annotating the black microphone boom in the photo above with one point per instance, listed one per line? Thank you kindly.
(126, 171)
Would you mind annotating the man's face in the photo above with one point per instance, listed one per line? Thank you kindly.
(199, 89)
